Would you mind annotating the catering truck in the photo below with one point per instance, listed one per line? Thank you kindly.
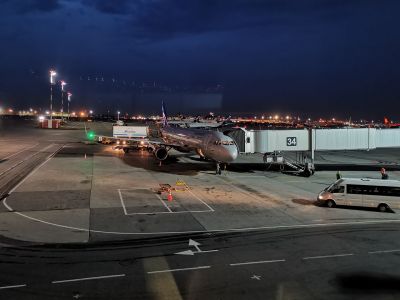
(130, 131)
(130, 137)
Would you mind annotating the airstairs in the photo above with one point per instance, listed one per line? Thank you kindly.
(300, 166)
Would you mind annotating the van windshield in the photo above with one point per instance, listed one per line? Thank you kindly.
(334, 188)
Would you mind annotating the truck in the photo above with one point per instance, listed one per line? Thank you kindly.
(127, 132)
(124, 136)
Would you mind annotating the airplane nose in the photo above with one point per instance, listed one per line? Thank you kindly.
(232, 153)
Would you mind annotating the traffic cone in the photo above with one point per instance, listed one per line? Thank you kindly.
(169, 197)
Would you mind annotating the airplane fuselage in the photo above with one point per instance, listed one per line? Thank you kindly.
(209, 144)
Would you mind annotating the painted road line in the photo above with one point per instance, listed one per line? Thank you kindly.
(37, 168)
(384, 251)
(170, 212)
(244, 229)
(24, 160)
(88, 278)
(163, 203)
(179, 270)
(327, 256)
(12, 286)
(209, 207)
(122, 202)
(30, 147)
(257, 262)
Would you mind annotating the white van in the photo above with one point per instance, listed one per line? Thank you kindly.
(382, 194)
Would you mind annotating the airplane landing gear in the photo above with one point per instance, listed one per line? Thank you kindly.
(218, 171)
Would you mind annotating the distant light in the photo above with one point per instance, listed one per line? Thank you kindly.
(262, 117)
(10, 110)
(276, 117)
(333, 119)
(30, 109)
(47, 112)
(63, 83)
(90, 111)
(52, 74)
(287, 117)
(41, 118)
(82, 113)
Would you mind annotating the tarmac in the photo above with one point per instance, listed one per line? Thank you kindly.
(72, 192)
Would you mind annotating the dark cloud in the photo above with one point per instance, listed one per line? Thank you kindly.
(28, 6)
(163, 19)
(119, 7)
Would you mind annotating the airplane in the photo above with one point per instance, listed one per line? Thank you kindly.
(208, 144)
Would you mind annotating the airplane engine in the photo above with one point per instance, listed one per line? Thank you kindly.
(161, 153)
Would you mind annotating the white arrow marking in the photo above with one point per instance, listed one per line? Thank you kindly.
(187, 252)
(190, 252)
(194, 244)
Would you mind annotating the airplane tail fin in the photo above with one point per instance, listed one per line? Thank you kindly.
(164, 115)
(386, 121)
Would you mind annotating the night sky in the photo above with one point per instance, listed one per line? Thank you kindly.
(313, 57)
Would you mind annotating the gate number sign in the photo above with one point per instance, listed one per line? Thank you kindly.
(291, 141)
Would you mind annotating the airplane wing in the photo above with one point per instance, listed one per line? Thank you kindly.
(154, 143)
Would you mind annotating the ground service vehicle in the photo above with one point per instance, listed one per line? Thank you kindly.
(364, 192)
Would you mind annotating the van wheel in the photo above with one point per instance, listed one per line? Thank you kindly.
(330, 203)
(383, 207)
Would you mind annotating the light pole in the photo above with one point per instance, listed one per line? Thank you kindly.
(69, 100)
(63, 83)
(118, 112)
(52, 82)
